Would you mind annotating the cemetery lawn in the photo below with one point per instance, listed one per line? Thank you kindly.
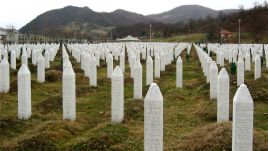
(193, 37)
(189, 115)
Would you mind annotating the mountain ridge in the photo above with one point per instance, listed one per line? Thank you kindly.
(76, 19)
(186, 12)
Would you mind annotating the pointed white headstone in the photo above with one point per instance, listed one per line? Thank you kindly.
(69, 94)
(157, 66)
(4, 76)
(208, 64)
(153, 119)
(221, 61)
(117, 95)
(93, 72)
(122, 61)
(132, 64)
(97, 55)
(24, 58)
(137, 80)
(242, 132)
(86, 65)
(13, 60)
(223, 96)
(149, 71)
(41, 69)
(257, 69)
(218, 57)
(213, 80)
(247, 62)
(109, 65)
(162, 62)
(24, 93)
(240, 72)
(34, 57)
(179, 73)
(116, 55)
(47, 59)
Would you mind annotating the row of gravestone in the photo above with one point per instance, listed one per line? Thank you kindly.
(233, 52)
(87, 59)
(88, 63)
(242, 132)
(153, 103)
(18, 52)
(153, 114)
(80, 53)
(242, 57)
(23, 75)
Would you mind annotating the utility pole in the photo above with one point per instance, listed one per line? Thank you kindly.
(150, 32)
(239, 21)
(111, 35)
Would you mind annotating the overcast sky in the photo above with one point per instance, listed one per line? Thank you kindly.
(20, 12)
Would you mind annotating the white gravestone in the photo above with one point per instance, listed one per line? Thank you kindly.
(117, 104)
(153, 119)
(97, 55)
(242, 132)
(218, 57)
(132, 63)
(149, 70)
(122, 61)
(41, 69)
(93, 72)
(247, 62)
(115, 55)
(34, 57)
(221, 61)
(205, 68)
(157, 66)
(24, 93)
(208, 64)
(69, 94)
(4, 76)
(87, 65)
(109, 65)
(162, 62)
(137, 80)
(47, 59)
(257, 70)
(13, 60)
(24, 58)
(223, 96)
(179, 73)
(240, 72)
(213, 80)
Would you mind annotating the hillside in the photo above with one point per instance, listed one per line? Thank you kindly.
(71, 20)
(186, 12)
(75, 18)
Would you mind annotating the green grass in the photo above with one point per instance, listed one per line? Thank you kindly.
(195, 37)
(189, 115)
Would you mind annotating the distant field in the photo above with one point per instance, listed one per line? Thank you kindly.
(197, 37)
(202, 37)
